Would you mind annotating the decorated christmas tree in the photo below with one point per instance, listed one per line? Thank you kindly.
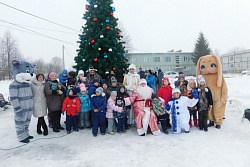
(101, 44)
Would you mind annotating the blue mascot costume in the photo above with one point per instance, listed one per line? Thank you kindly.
(21, 98)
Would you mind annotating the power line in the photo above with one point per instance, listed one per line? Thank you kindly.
(37, 33)
(38, 17)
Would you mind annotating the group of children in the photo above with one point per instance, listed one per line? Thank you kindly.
(91, 105)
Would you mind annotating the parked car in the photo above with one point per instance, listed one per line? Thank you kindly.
(171, 74)
(245, 72)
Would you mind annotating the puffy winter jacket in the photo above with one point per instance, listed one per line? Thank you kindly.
(71, 105)
(85, 102)
(100, 103)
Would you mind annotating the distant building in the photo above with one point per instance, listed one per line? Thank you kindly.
(235, 62)
(169, 61)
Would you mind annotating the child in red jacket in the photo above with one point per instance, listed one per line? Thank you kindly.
(165, 92)
(71, 105)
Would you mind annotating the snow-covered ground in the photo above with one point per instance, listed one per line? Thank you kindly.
(225, 147)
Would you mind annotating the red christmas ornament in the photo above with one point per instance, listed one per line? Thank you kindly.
(95, 19)
(108, 27)
(95, 59)
(92, 41)
(114, 68)
(111, 13)
(118, 32)
(87, 7)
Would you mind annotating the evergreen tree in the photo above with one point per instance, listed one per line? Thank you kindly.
(201, 48)
(101, 45)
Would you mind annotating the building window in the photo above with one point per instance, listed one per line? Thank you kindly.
(187, 58)
(133, 59)
(167, 59)
(156, 59)
(187, 68)
(231, 65)
(231, 58)
(145, 59)
(156, 68)
(168, 68)
(177, 59)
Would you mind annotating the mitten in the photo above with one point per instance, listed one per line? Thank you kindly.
(167, 107)
(195, 93)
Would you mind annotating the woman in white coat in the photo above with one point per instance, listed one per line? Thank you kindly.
(178, 108)
(40, 106)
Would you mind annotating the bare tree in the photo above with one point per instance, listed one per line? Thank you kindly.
(126, 38)
(9, 51)
(40, 66)
(56, 64)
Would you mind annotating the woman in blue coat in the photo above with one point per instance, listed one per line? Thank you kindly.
(151, 80)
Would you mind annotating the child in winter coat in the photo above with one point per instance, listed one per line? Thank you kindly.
(85, 107)
(120, 116)
(159, 109)
(205, 103)
(114, 85)
(178, 108)
(98, 107)
(82, 79)
(71, 105)
(110, 108)
(192, 110)
(63, 77)
(181, 84)
(165, 92)
(54, 92)
(122, 93)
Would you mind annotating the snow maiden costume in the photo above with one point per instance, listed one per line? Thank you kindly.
(21, 98)
(178, 108)
(144, 117)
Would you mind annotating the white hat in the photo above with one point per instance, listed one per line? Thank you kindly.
(113, 93)
(201, 79)
(176, 90)
(132, 66)
(142, 81)
(80, 72)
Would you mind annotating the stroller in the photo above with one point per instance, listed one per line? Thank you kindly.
(3, 103)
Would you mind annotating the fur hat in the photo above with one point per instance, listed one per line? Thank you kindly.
(113, 93)
(201, 79)
(176, 90)
(52, 74)
(82, 87)
(154, 95)
(80, 72)
(132, 66)
(99, 89)
(142, 81)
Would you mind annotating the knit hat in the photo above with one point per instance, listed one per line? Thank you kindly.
(104, 82)
(154, 95)
(82, 87)
(190, 82)
(52, 74)
(74, 90)
(99, 89)
(64, 71)
(201, 79)
(113, 79)
(132, 66)
(80, 72)
(119, 98)
(113, 93)
(176, 90)
(181, 76)
(95, 80)
(142, 81)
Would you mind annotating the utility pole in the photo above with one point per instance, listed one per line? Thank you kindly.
(63, 56)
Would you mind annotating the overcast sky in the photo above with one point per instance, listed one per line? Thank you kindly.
(154, 25)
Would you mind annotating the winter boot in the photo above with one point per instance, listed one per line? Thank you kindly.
(190, 123)
(218, 126)
(211, 123)
(39, 129)
(45, 130)
(55, 129)
(195, 123)
(58, 125)
(25, 141)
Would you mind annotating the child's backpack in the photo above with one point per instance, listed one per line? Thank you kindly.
(246, 114)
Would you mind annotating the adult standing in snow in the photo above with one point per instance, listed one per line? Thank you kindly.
(40, 106)
(131, 82)
(92, 75)
(160, 77)
(151, 79)
(144, 116)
